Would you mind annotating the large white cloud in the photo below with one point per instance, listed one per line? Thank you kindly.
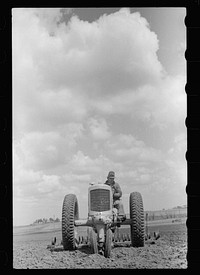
(81, 61)
(109, 66)
(87, 52)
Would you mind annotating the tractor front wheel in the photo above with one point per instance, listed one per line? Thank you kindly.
(92, 237)
(70, 213)
(108, 243)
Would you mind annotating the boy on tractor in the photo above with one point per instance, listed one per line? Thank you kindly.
(117, 194)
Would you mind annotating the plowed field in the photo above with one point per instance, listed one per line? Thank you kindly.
(30, 250)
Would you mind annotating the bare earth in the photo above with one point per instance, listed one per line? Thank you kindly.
(169, 251)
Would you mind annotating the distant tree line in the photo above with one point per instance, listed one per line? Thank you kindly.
(44, 220)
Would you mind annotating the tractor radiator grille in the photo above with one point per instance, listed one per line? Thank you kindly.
(100, 200)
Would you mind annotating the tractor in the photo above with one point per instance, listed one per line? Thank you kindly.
(102, 220)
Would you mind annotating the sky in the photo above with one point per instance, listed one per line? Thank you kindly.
(94, 90)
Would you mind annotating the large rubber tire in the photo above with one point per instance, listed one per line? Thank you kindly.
(70, 213)
(92, 237)
(137, 219)
(108, 243)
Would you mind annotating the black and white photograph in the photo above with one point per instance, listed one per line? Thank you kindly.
(99, 138)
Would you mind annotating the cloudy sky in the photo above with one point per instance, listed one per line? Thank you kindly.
(97, 90)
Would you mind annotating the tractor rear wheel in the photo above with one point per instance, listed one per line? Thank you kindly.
(137, 219)
(92, 237)
(108, 243)
(70, 213)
